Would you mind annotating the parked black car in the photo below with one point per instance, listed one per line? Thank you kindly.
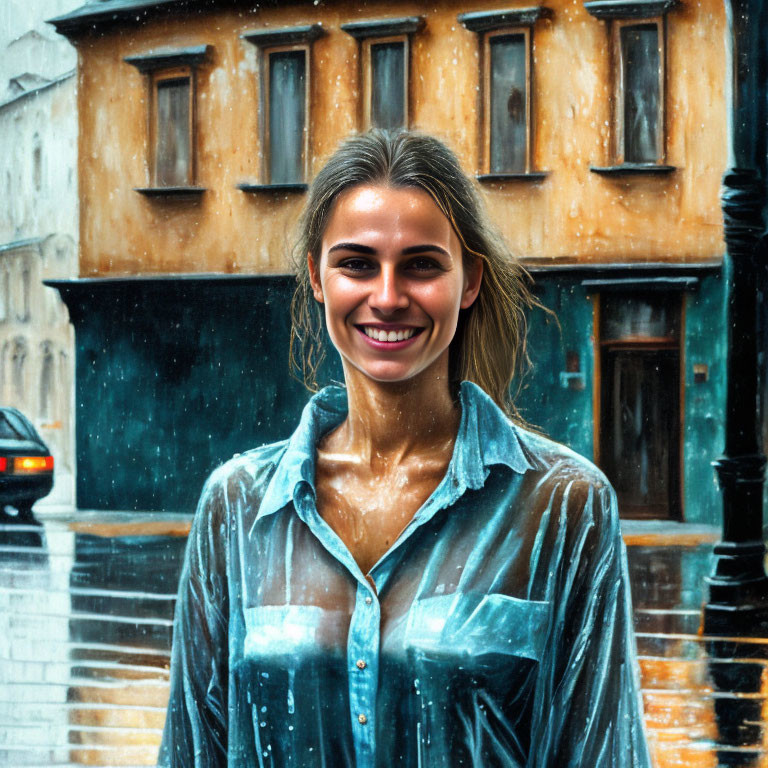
(26, 466)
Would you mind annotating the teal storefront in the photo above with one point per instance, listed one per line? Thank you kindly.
(174, 375)
(633, 376)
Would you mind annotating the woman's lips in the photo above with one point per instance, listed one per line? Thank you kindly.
(384, 337)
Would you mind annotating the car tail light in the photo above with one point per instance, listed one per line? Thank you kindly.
(3, 463)
(33, 464)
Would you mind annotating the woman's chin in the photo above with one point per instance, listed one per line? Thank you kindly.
(387, 375)
(383, 372)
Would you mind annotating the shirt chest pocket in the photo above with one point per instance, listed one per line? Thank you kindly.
(475, 626)
(289, 630)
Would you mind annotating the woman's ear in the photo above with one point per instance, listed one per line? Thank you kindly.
(473, 279)
(314, 278)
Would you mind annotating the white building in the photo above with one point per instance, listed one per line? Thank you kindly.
(38, 226)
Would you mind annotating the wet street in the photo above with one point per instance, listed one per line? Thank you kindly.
(85, 631)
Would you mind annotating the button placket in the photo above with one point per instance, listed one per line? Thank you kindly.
(363, 655)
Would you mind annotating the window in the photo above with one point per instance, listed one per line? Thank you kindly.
(18, 359)
(640, 401)
(22, 314)
(506, 87)
(636, 32)
(387, 84)
(46, 380)
(7, 431)
(37, 163)
(507, 102)
(384, 57)
(285, 90)
(5, 294)
(172, 80)
(639, 88)
(285, 139)
(172, 130)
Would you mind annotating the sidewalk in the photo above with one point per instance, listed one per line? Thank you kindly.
(85, 634)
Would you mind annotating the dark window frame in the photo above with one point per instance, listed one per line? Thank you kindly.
(367, 67)
(376, 32)
(156, 79)
(619, 14)
(619, 88)
(487, 25)
(265, 68)
(486, 140)
(269, 41)
(158, 66)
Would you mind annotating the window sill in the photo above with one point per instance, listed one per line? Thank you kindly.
(530, 176)
(170, 191)
(293, 187)
(633, 169)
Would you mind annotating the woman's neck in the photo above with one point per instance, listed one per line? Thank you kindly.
(389, 422)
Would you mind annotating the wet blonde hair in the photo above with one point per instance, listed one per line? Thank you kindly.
(489, 347)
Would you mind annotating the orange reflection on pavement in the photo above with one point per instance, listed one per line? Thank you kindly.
(678, 713)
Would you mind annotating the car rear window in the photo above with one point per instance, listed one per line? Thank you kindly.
(7, 432)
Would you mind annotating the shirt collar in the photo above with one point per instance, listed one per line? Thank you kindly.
(486, 437)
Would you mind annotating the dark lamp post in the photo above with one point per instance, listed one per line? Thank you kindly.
(738, 589)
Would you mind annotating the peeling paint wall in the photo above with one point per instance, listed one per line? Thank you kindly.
(173, 378)
(704, 428)
(562, 408)
(573, 214)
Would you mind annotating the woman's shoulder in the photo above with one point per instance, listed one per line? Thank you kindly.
(566, 491)
(245, 471)
(555, 463)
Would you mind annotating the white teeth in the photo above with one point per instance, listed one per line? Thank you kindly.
(376, 334)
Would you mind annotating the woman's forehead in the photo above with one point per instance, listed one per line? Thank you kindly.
(374, 209)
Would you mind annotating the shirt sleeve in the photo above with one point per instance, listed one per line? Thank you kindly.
(588, 708)
(195, 731)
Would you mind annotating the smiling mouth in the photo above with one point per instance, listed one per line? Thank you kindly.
(378, 334)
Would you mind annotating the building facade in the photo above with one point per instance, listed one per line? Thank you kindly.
(598, 134)
(38, 235)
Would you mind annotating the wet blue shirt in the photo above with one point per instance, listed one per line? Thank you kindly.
(496, 631)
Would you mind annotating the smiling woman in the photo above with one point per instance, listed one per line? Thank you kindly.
(391, 267)
(413, 578)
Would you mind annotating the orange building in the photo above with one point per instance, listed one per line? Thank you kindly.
(597, 131)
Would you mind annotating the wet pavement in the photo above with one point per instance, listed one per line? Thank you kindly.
(86, 610)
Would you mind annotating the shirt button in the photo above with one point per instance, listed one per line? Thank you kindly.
(368, 600)
(362, 719)
(361, 664)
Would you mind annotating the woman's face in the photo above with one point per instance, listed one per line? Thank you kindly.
(392, 281)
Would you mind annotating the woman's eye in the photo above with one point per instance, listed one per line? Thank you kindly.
(355, 265)
(423, 264)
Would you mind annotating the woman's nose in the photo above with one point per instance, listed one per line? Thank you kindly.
(388, 294)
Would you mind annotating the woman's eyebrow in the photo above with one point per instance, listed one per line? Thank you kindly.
(424, 249)
(368, 251)
(355, 247)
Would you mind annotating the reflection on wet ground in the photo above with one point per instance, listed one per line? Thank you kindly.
(85, 631)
